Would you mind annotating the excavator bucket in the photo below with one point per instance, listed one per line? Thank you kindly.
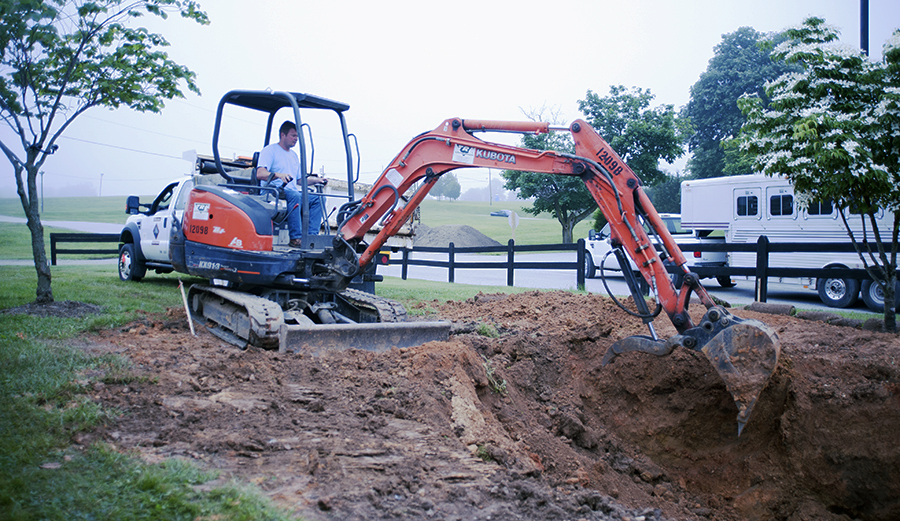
(743, 351)
(745, 355)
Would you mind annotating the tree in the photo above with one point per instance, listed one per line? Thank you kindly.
(62, 57)
(740, 65)
(447, 186)
(833, 130)
(564, 197)
(639, 134)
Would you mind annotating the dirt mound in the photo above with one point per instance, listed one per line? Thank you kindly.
(462, 236)
(523, 423)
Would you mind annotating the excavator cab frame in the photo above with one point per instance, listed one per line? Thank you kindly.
(273, 102)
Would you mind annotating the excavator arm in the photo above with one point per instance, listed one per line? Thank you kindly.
(744, 352)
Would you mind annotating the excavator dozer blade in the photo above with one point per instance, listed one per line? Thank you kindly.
(745, 354)
(318, 339)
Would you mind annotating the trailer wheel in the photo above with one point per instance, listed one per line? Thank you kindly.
(130, 268)
(590, 270)
(725, 281)
(873, 295)
(838, 293)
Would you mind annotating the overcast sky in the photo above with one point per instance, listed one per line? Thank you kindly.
(405, 66)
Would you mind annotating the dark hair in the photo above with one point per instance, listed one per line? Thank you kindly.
(286, 127)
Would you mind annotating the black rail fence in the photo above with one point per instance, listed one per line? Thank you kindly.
(83, 238)
(761, 272)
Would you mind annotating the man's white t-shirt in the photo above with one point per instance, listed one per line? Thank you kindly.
(280, 161)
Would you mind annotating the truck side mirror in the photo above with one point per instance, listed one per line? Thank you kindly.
(132, 205)
(591, 234)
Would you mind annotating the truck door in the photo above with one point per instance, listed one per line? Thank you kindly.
(155, 230)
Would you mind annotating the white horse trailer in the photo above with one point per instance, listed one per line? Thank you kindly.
(747, 206)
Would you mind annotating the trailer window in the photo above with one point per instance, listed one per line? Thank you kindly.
(824, 207)
(781, 205)
(747, 205)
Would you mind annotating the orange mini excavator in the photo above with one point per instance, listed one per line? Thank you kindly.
(285, 295)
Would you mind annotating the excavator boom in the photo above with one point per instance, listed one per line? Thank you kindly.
(744, 352)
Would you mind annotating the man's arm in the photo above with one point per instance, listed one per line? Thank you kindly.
(262, 173)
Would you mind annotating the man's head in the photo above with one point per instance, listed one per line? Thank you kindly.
(287, 135)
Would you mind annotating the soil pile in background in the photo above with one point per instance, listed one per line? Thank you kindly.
(524, 424)
(462, 236)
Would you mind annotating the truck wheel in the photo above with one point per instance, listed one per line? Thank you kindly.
(838, 293)
(590, 270)
(725, 281)
(873, 295)
(129, 267)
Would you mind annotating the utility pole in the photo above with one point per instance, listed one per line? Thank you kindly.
(100, 192)
(490, 194)
(42, 191)
(864, 26)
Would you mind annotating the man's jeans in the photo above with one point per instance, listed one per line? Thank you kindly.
(293, 199)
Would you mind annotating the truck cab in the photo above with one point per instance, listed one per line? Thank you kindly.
(598, 248)
(145, 237)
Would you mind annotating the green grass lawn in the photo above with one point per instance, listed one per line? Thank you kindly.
(90, 209)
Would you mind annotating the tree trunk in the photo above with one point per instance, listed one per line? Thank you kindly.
(29, 200)
(890, 314)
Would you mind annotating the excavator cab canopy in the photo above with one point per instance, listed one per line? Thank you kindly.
(271, 102)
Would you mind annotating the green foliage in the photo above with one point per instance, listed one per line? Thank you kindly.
(740, 65)
(447, 186)
(641, 135)
(564, 197)
(488, 330)
(497, 385)
(832, 130)
(62, 57)
(666, 195)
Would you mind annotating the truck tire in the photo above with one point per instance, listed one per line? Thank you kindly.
(838, 293)
(725, 281)
(590, 270)
(873, 295)
(130, 268)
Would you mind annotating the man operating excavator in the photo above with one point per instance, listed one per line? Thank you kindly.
(278, 166)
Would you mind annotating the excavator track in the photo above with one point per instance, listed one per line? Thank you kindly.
(388, 310)
(246, 320)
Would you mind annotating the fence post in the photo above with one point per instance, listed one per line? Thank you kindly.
(53, 249)
(579, 260)
(762, 268)
(405, 267)
(510, 261)
(451, 262)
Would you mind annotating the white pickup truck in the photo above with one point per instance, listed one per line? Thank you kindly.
(597, 246)
(145, 237)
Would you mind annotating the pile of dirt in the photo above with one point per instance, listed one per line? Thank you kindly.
(524, 424)
(462, 236)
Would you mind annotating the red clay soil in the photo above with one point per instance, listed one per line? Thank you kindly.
(524, 425)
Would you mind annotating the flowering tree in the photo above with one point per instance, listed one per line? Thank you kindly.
(833, 130)
(59, 58)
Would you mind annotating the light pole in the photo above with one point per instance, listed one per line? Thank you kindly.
(42, 191)
(100, 192)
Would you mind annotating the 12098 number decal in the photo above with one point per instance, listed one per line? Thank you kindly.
(200, 230)
(607, 159)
